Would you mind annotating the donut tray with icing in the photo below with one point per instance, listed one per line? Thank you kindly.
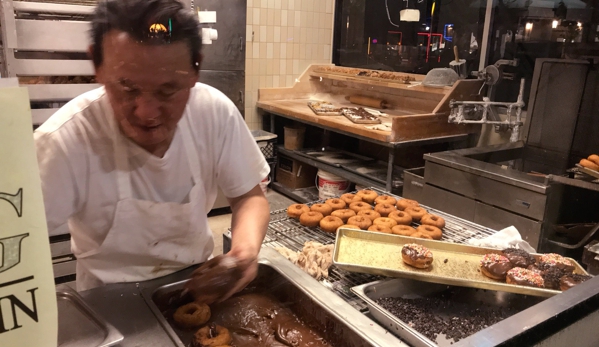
(453, 264)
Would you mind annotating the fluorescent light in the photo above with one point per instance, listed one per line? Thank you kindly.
(528, 26)
(554, 24)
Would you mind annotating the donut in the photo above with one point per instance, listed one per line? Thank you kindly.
(384, 209)
(401, 217)
(431, 219)
(552, 277)
(524, 277)
(360, 221)
(416, 255)
(359, 206)
(330, 224)
(432, 231)
(402, 204)
(336, 204)
(549, 260)
(212, 336)
(519, 257)
(594, 158)
(192, 315)
(344, 214)
(385, 199)
(311, 219)
(322, 208)
(372, 215)
(348, 226)
(416, 212)
(384, 221)
(589, 164)
(349, 198)
(379, 229)
(367, 195)
(570, 280)
(420, 235)
(296, 210)
(495, 266)
(403, 230)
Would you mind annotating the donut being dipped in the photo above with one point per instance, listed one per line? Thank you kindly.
(495, 266)
(192, 315)
(367, 195)
(296, 210)
(311, 219)
(416, 255)
(212, 336)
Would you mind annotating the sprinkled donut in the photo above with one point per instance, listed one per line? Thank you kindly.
(416, 255)
(495, 266)
(524, 277)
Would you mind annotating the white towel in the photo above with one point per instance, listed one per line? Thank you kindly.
(506, 238)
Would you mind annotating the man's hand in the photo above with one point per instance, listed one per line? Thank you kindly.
(247, 264)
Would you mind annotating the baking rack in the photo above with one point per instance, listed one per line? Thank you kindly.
(287, 232)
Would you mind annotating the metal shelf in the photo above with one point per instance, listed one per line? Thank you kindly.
(278, 187)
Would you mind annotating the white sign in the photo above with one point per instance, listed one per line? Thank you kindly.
(28, 314)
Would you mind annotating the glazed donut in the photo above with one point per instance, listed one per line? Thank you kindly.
(431, 219)
(549, 260)
(379, 229)
(384, 209)
(495, 266)
(372, 215)
(367, 195)
(519, 257)
(416, 212)
(348, 226)
(192, 315)
(311, 219)
(344, 214)
(589, 164)
(336, 204)
(524, 277)
(401, 217)
(594, 158)
(416, 255)
(402, 204)
(349, 198)
(569, 281)
(330, 224)
(420, 235)
(360, 221)
(212, 336)
(385, 199)
(322, 208)
(384, 221)
(296, 210)
(358, 206)
(432, 231)
(403, 230)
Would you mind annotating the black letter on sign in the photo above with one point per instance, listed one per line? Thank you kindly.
(14, 303)
(11, 251)
(15, 200)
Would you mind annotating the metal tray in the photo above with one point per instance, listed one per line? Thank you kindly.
(453, 264)
(79, 324)
(587, 171)
(324, 112)
(411, 289)
(335, 157)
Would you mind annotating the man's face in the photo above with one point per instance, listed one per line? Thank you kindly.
(148, 87)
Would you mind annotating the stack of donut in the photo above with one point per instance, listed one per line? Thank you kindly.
(592, 162)
(194, 315)
(516, 266)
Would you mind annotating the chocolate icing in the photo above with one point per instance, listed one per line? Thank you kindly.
(499, 269)
(569, 281)
(519, 257)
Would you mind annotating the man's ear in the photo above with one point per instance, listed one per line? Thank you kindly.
(97, 69)
(198, 67)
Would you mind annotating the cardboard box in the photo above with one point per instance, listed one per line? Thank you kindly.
(294, 174)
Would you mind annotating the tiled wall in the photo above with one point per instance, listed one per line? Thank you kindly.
(283, 38)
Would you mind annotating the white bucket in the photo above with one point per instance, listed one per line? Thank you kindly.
(330, 186)
(264, 185)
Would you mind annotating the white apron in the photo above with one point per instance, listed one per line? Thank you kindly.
(149, 239)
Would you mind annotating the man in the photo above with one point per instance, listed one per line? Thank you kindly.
(133, 167)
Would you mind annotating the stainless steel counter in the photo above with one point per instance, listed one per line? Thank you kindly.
(124, 306)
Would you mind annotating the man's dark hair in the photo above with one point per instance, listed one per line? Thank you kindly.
(154, 22)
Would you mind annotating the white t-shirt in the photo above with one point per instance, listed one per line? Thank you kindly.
(76, 160)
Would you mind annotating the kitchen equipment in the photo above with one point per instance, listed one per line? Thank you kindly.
(458, 65)
(412, 289)
(453, 264)
(440, 78)
(368, 101)
(79, 324)
(359, 115)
